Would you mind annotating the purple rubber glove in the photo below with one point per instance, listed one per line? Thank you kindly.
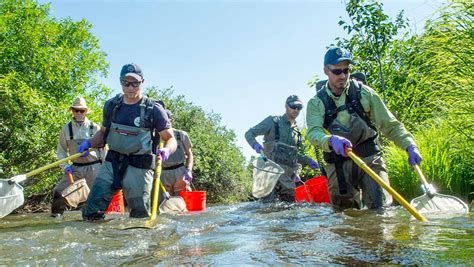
(188, 175)
(164, 153)
(68, 169)
(313, 165)
(84, 146)
(339, 143)
(414, 156)
(296, 178)
(257, 147)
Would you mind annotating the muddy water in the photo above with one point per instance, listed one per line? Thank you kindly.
(242, 234)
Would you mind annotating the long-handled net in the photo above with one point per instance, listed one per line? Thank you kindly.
(11, 196)
(265, 176)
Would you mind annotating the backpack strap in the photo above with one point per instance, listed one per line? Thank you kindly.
(330, 108)
(111, 110)
(276, 119)
(71, 135)
(91, 129)
(354, 105)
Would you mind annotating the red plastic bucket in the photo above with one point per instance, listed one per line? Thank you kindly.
(116, 205)
(195, 200)
(301, 194)
(314, 190)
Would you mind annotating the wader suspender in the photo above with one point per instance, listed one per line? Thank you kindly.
(352, 105)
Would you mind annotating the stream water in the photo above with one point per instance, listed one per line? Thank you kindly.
(248, 233)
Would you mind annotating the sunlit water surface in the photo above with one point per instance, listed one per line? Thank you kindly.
(244, 234)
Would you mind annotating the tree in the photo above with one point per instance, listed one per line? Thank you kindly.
(45, 64)
(371, 33)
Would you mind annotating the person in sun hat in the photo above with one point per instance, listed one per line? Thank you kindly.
(131, 122)
(281, 140)
(354, 115)
(72, 134)
(176, 172)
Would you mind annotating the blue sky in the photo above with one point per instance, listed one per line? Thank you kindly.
(240, 59)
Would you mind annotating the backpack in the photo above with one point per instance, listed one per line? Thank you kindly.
(352, 104)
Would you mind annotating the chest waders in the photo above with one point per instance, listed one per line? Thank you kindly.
(284, 153)
(361, 131)
(177, 159)
(130, 145)
(73, 145)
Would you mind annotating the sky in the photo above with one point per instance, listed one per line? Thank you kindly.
(240, 59)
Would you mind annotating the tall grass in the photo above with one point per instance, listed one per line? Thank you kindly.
(448, 162)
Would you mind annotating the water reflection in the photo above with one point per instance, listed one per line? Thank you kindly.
(243, 234)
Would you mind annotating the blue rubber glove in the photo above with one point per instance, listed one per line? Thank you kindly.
(339, 143)
(188, 175)
(164, 153)
(257, 147)
(313, 165)
(84, 146)
(296, 178)
(68, 169)
(414, 156)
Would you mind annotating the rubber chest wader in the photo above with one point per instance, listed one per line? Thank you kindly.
(360, 131)
(129, 145)
(284, 151)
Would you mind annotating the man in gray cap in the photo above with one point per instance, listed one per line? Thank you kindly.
(354, 114)
(281, 141)
(72, 134)
(131, 122)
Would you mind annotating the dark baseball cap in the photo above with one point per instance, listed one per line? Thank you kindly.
(132, 70)
(294, 99)
(334, 55)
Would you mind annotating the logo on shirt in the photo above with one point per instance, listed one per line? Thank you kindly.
(137, 121)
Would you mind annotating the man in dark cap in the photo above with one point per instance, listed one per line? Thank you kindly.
(354, 114)
(131, 121)
(281, 141)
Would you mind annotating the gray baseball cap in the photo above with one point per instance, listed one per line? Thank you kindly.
(132, 70)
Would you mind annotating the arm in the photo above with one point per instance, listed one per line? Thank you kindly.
(315, 119)
(61, 150)
(188, 151)
(386, 121)
(168, 138)
(98, 140)
(264, 127)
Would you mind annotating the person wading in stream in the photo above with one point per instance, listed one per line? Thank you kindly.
(72, 134)
(354, 114)
(131, 122)
(176, 172)
(281, 141)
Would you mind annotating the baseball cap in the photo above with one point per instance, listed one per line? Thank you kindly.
(294, 99)
(132, 70)
(335, 55)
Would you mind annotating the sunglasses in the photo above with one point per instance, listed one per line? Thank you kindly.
(339, 71)
(296, 106)
(79, 110)
(127, 84)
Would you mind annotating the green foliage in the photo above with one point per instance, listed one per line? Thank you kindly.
(371, 34)
(430, 82)
(219, 166)
(45, 64)
(447, 162)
